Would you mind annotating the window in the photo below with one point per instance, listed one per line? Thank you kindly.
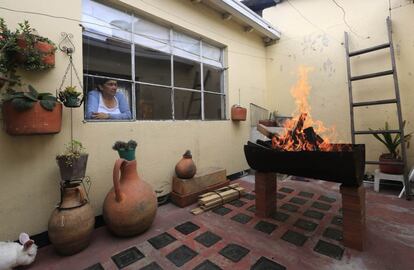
(163, 74)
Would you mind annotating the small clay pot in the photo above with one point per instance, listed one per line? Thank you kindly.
(238, 113)
(186, 168)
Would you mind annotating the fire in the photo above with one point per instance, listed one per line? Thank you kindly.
(301, 132)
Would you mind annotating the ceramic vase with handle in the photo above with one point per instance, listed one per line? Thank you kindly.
(130, 206)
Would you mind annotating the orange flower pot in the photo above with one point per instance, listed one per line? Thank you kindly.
(238, 113)
(35, 120)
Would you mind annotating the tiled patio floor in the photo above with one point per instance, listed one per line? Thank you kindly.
(306, 233)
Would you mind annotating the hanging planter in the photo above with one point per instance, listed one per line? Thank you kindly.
(238, 113)
(70, 97)
(29, 113)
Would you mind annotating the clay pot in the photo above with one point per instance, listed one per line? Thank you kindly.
(390, 168)
(75, 170)
(72, 222)
(238, 113)
(35, 120)
(186, 168)
(130, 206)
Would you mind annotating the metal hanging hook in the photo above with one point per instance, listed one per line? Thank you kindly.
(66, 45)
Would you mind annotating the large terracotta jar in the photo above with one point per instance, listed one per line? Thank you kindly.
(72, 222)
(186, 168)
(130, 206)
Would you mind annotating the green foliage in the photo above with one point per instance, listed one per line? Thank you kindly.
(73, 150)
(20, 48)
(8, 51)
(120, 145)
(390, 142)
(69, 92)
(22, 101)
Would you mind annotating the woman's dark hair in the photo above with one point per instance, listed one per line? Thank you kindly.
(101, 81)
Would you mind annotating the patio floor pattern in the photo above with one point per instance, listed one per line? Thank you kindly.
(305, 233)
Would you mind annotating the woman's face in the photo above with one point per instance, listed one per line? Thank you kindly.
(109, 87)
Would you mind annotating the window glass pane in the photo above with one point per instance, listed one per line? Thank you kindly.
(187, 104)
(214, 106)
(186, 43)
(106, 20)
(212, 79)
(153, 102)
(106, 57)
(186, 73)
(211, 52)
(151, 35)
(124, 96)
(152, 66)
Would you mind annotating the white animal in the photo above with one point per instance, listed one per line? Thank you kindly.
(14, 254)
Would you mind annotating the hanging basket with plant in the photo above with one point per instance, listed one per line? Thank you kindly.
(392, 144)
(70, 97)
(31, 112)
(72, 163)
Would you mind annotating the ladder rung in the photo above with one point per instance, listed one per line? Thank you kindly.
(377, 102)
(376, 132)
(371, 49)
(385, 162)
(372, 75)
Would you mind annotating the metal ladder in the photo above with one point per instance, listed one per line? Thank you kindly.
(396, 100)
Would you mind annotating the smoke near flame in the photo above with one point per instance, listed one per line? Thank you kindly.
(302, 133)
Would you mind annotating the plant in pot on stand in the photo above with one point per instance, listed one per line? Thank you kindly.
(71, 223)
(392, 144)
(72, 163)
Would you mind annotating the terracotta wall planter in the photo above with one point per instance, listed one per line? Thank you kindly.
(44, 49)
(238, 113)
(35, 120)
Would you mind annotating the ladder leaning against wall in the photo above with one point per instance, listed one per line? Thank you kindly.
(396, 100)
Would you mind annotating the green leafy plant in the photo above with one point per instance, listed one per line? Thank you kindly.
(391, 142)
(22, 101)
(70, 96)
(73, 150)
(32, 49)
(8, 51)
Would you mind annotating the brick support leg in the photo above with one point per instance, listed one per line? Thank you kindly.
(353, 210)
(265, 188)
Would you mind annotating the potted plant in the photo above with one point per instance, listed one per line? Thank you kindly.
(8, 50)
(126, 150)
(70, 97)
(31, 112)
(34, 52)
(238, 113)
(72, 163)
(392, 144)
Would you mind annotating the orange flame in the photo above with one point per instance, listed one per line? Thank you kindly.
(294, 138)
